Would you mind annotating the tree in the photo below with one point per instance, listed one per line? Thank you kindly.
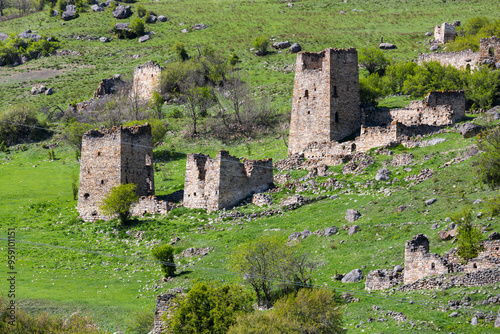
(199, 100)
(272, 268)
(157, 102)
(180, 50)
(119, 201)
(260, 44)
(373, 59)
(165, 254)
(208, 308)
(488, 163)
(310, 311)
(235, 92)
(3, 5)
(482, 87)
(469, 236)
(73, 135)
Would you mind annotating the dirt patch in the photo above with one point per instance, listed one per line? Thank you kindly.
(28, 76)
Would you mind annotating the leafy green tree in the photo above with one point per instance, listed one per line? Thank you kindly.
(261, 44)
(398, 73)
(165, 254)
(373, 59)
(482, 87)
(141, 11)
(137, 26)
(372, 88)
(488, 163)
(310, 311)
(469, 236)
(157, 102)
(208, 308)
(19, 123)
(119, 201)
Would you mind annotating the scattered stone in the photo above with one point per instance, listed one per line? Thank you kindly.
(295, 48)
(453, 233)
(120, 27)
(444, 235)
(49, 91)
(295, 201)
(199, 26)
(398, 269)
(329, 231)
(494, 236)
(38, 89)
(404, 159)
(152, 19)
(162, 18)
(428, 34)
(430, 201)
(423, 175)
(353, 229)
(387, 46)
(352, 277)
(497, 321)
(122, 12)
(184, 30)
(104, 39)
(190, 252)
(144, 38)
(434, 226)
(70, 13)
(383, 174)
(468, 130)
(281, 45)
(433, 142)
(453, 314)
(473, 321)
(96, 8)
(338, 277)
(3, 36)
(434, 47)
(352, 215)
(261, 199)
(27, 34)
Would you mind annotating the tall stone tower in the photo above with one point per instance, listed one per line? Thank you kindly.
(146, 79)
(111, 157)
(325, 98)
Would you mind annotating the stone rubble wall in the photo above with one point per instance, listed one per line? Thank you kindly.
(377, 136)
(382, 279)
(486, 45)
(163, 304)
(458, 59)
(149, 205)
(146, 78)
(488, 258)
(109, 86)
(419, 263)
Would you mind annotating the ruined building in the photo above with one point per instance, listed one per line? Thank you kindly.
(111, 157)
(445, 32)
(146, 79)
(325, 97)
(223, 181)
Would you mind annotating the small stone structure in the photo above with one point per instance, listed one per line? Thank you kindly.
(444, 33)
(163, 304)
(109, 86)
(489, 48)
(146, 78)
(223, 181)
(325, 103)
(110, 157)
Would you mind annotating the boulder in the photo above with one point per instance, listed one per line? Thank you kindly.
(494, 112)
(152, 19)
(294, 236)
(104, 39)
(295, 48)
(434, 47)
(383, 174)
(144, 38)
(281, 45)
(352, 215)
(28, 35)
(96, 8)
(353, 229)
(70, 13)
(468, 130)
(304, 234)
(494, 236)
(162, 18)
(444, 235)
(453, 233)
(122, 12)
(428, 34)
(430, 201)
(387, 46)
(184, 30)
(120, 27)
(49, 91)
(453, 314)
(3, 36)
(353, 276)
(398, 269)
(38, 90)
(330, 231)
(199, 26)
(473, 321)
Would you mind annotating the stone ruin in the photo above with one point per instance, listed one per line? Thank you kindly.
(489, 53)
(445, 32)
(223, 181)
(146, 79)
(419, 264)
(110, 157)
(109, 86)
(163, 305)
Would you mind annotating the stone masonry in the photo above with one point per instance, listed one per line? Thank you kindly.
(489, 48)
(163, 305)
(223, 181)
(146, 78)
(109, 86)
(110, 157)
(444, 33)
(325, 103)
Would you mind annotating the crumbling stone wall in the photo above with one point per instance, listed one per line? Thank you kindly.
(109, 86)
(489, 48)
(146, 78)
(149, 205)
(111, 157)
(325, 103)
(163, 305)
(466, 59)
(488, 258)
(444, 33)
(419, 263)
(222, 182)
(382, 279)
(377, 136)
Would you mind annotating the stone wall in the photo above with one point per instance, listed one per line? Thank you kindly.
(489, 48)
(325, 103)
(111, 157)
(330, 153)
(444, 33)
(419, 263)
(460, 59)
(377, 136)
(223, 181)
(163, 304)
(109, 86)
(149, 205)
(489, 257)
(382, 279)
(145, 82)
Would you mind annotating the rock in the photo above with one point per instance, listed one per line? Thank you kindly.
(144, 38)
(104, 39)
(122, 12)
(28, 35)
(487, 61)
(434, 226)
(428, 34)
(49, 91)
(304, 234)
(453, 233)
(199, 26)
(444, 235)
(184, 30)
(54, 13)
(96, 8)
(473, 321)
(434, 141)
(430, 201)
(281, 45)
(398, 269)
(468, 130)
(152, 19)
(352, 215)
(120, 27)
(38, 90)
(69, 13)
(495, 112)
(352, 277)
(387, 46)
(260, 199)
(330, 231)
(447, 219)
(383, 174)
(497, 321)
(353, 229)
(295, 48)
(434, 47)
(51, 39)
(494, 236)
(453, 315)
(338, 277)
(497, 65)
(3, 36)
(162, 18)
(294, 236)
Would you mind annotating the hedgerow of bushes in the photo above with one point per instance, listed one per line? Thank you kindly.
(14, 47)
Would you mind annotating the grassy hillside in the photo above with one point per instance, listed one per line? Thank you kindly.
(105, 270)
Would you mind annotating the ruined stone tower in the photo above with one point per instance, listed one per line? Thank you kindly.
(111, 157)
(489, 48)
(146, 78)
(325, 98)
(222, 182)
(419, 263)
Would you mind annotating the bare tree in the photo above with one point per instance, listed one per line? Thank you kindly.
(235, 93)
(198, 101)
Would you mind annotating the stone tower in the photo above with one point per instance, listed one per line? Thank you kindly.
(325, 98)
(111, 157)
(223, 181)
(146, 78)
(419, 263)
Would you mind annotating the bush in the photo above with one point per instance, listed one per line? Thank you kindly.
(180, 50)
(119, 201)
(141, 322)
(261, 44)
(309, 311)
(469, 236)
(158, 128)
(12, 48)
(19, 124)
(373, 59)
(141, 11)
(165, 254)
(488, 163)
(371, 89)
(209, 309)
(137, 27)
(482, 87)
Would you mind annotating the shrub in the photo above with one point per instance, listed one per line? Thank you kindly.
(208, 308)
(137, 27)
(261, 44)
(233, 59)
(141, 322)
(469, 236)
(371, 89)
(165, 254)
(141, 11)
(119, 201)
(373, 59)
(482, 87)
(19, 124)
(488, 163)
(180, 51)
